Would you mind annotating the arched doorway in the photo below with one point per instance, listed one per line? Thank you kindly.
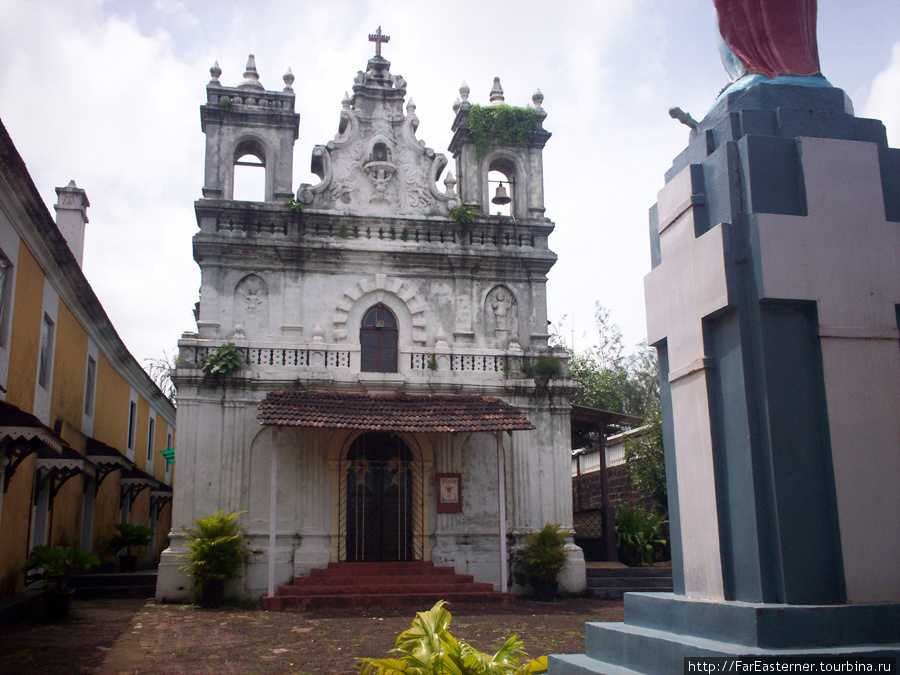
(381, 495)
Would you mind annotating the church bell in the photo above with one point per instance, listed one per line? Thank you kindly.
(500, 197)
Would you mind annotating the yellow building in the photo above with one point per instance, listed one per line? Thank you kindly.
(82, 426)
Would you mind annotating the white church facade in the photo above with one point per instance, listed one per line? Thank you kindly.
(397, 397)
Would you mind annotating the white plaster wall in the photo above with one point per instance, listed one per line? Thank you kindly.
(42, 395)
(9, 249)
(425, 304)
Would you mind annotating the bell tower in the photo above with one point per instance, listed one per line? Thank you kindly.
(505, 139)
(249, 121)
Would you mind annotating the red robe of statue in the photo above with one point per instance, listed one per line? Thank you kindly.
(772, 37)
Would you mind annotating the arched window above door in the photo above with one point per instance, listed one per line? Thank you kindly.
(378, 341)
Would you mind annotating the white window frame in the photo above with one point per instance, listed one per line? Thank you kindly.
(6, 274)
(9, 249)
(87, 418)
(151, 433)
(45, 352)
(90, 385)
(44, 386)
(132, 428)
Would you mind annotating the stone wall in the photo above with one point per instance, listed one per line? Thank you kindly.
(587, 497)
(587, 494)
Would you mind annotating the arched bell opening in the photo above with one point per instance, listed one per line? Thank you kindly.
(502, 187)
(249, 172)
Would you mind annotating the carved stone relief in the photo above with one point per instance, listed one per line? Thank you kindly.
(357, 178)
(251, 307)
(501, 317)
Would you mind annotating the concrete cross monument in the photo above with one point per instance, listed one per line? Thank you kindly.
(690, 285)
(844, 256)
(774, 304)
(378, 39)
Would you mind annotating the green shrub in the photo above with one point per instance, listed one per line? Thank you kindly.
(216, 548)
(545, 554)
(646, 462)
(51, 565)
(546, 367)
(492, 126)
(293, 205)
(638, 533)
(428, 648)
(463, 214)
(225, 360)
(129, 537)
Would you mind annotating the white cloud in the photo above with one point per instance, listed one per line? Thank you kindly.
(108, 93)
(98, 106)
(884, 97)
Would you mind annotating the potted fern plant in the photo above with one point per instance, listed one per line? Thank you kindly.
(216, 554)
(51, 566)
(128, 538)
(543, 559)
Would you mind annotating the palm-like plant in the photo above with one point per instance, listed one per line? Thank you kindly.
(215, 548)
(639, 533)
(545, 554)
(51, 565)
(130, 536)
(428, 648)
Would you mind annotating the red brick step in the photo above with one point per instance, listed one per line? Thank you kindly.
(360, 586)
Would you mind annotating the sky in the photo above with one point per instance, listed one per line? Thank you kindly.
(107, 93)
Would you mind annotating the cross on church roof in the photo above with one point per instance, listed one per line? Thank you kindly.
(378, 38)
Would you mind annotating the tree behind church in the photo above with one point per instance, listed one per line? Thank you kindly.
(610, 380)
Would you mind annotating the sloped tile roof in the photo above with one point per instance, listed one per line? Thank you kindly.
(23, 427)
(396, 412)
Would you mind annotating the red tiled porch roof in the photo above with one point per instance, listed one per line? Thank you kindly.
(396, 412)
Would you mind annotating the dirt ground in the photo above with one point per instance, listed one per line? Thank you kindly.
(138, 637)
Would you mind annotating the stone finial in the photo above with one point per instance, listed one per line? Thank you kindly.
(288, 78)
(464, 92)
(251, 77)
(497, 92)
(456, 105)
(345, 102)
(410, 107)
(537, 98)
(450, 184)
(440, 338)
(318, 333)
(215, 71)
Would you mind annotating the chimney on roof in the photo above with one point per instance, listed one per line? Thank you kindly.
(71, 217)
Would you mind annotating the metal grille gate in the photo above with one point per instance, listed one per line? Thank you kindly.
(381, 500)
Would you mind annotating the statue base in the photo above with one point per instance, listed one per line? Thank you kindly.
(662, 629)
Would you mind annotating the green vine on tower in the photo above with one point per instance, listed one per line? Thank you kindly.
(491, 126)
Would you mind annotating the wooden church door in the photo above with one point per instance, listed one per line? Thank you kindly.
(379, 490)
